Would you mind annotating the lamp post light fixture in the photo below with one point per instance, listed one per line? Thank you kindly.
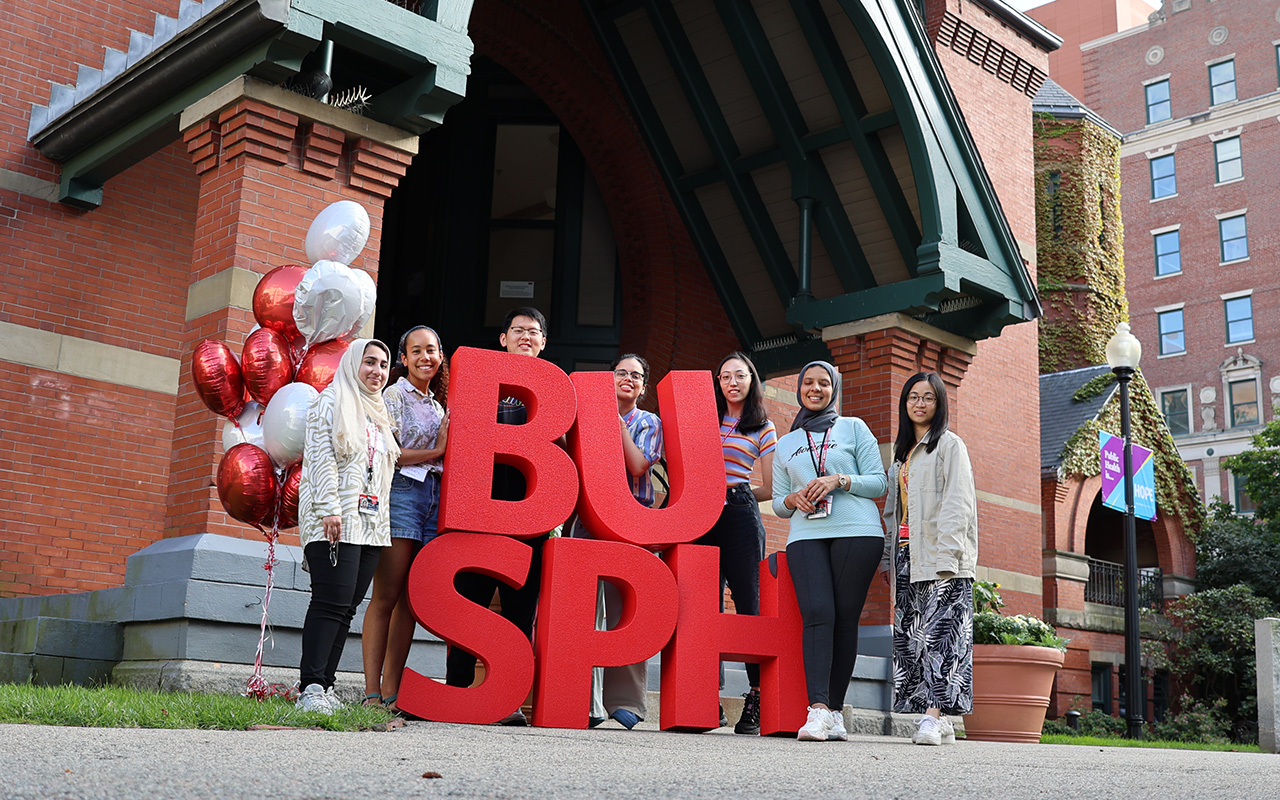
(1123, 352)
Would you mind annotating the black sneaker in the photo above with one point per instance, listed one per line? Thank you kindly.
(749, 722)
(724, 721)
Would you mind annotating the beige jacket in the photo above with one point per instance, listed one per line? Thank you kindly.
(942, 511)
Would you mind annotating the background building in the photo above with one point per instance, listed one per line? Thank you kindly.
(1194, 93)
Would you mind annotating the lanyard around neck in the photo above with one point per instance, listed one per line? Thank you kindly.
(820, 461)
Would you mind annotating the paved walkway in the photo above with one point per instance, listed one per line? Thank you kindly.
(488, 762)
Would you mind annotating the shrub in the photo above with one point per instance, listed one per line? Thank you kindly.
(1196, 721)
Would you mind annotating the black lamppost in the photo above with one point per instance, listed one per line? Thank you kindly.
(1123, 352)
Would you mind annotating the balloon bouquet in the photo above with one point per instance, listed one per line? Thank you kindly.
(306, 319)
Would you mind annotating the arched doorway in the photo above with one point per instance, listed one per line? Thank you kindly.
(1104, 545)
(499, 210)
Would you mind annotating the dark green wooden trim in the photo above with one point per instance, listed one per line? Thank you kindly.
(789, 359)
(848, 101)
(646, 116)
(809, 176)
(706, 110)
(878, 122)
(913, 296)
(748, 163)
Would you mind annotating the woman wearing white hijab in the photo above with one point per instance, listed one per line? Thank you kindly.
(829, 469)
(343, 515)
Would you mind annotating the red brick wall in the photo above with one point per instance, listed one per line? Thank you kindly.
(997, 409)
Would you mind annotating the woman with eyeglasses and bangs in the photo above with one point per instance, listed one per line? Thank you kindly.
(747, 436)
(931, 552)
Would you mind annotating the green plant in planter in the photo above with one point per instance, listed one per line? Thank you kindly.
(992, 627)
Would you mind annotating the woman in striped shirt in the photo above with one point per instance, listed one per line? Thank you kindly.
(746, 436)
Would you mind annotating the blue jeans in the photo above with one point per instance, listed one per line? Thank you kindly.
(415, 506)
(739, 533)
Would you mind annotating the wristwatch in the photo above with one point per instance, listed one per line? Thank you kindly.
(844, 481)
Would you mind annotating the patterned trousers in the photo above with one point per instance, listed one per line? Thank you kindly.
(932, 642)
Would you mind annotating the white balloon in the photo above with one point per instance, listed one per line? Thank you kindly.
(368, 299)
(329, 302)
(284, 426)
(250, 429)
(338, 233)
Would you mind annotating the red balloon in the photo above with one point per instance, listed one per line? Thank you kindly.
(273, 299)
(218, 378)
(247, 483)
(266, 363)
(288, 516)
(320, 363)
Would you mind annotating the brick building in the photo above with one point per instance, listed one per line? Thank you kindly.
(1194, 93)
(675, 179)
(1080, 21)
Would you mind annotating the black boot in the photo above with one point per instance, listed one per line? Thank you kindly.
(749, 722)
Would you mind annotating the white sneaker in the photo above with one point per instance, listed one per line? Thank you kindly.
(332, 696)
(313, 700)
(929, 732)
(837, 732)
(819, 726)
(948, 731)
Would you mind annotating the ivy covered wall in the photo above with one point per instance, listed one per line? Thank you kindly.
(1079, 241)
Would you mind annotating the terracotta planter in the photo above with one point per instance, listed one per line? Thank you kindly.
(1011, 686)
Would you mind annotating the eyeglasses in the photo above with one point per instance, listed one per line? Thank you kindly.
(729, 377)
(519, 332)
(623, 373)
(916, 399)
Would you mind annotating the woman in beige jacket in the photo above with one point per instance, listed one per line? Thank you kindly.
(931, 552)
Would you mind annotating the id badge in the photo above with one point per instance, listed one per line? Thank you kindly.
(823, 509)
(904, 532)
(368, 504)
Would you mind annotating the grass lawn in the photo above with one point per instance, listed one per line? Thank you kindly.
(117, 707)
(1101, 741)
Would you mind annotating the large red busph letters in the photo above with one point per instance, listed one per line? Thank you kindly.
(679, 592)
(705, 635)
(500, 645)
(478, 380)
(567, 640)
(695, 462)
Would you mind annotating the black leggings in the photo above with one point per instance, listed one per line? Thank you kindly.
(336, 593)
(739, 534)
(832, 577)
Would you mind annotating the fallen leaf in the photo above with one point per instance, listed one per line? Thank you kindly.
(432, 775)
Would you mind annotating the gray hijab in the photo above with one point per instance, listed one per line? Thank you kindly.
(818, 421)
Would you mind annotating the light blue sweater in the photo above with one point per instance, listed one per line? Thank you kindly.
(851, 450)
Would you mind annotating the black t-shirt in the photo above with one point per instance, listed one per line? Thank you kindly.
(508, 482)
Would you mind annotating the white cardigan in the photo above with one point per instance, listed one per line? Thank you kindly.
(333, 487)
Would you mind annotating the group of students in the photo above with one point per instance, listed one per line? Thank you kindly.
(371, 485)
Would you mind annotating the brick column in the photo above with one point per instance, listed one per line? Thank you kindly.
(875, 358)
(268, 161)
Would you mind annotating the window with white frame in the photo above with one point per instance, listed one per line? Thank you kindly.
(1226, 156)
(1240, 499)
(1158, 106)
(1172, 332)
(1164, 179)
(1239, 312)
(1233, 235)
(1177, 412)
(1222, 82)
(1168, 253)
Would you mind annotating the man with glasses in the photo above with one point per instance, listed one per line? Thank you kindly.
(524, 332)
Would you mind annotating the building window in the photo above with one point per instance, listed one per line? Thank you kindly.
(1239, 319)
(1234, 237)
(1101, 687)
(1158, 108)
(1168, 253)
(1226, 153)
(1176, 413)
(1171, 332)
(1244, 403)
(1051, 188)
(1222, 82)
(1240, 499)
(1164, 182)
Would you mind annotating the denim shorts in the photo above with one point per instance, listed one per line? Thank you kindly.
(414, 507)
